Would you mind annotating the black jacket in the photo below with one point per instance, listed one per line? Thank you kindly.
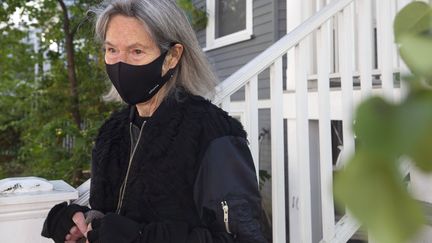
(192, 178)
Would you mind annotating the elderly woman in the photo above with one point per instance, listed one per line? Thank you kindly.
(171, 167)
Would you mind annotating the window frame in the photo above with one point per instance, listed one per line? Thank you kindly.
(212, 42)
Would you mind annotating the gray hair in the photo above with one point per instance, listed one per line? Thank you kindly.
(166, 24)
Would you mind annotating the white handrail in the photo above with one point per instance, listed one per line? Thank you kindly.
(238, 79)
(84, 193)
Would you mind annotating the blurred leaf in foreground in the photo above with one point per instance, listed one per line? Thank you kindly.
(374, 192)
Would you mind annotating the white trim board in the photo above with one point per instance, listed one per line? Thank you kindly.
(212, 42)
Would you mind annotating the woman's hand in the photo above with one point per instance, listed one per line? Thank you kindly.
(79, 230)
(61, 220)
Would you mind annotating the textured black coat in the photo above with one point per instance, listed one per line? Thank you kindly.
(168, 191)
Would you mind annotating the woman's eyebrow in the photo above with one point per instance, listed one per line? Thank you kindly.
(108, 43)
(138, 45)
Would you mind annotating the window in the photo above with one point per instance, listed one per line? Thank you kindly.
(230, 21)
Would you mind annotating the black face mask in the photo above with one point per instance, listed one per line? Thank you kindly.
(138, 83)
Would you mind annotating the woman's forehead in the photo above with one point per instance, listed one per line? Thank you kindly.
(128, 31)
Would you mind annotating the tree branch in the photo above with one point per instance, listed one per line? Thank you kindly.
(66, 22)
(70, 58)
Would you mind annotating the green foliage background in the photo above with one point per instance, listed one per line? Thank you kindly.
(35, 121)
(371, 185)
(197, 17)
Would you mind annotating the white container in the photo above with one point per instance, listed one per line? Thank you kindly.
(22, 214)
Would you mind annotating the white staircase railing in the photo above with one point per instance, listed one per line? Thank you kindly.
(339, 41)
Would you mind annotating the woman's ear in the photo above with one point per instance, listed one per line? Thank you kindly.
(173, 57)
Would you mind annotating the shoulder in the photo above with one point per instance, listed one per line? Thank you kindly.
(214, 121)
(113, 126)
(117, 118)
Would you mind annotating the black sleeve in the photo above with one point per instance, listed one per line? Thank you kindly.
(226, 191)
(226, 196)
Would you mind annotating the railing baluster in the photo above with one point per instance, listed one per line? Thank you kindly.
(277, 152)
(365, 43)
(307, 8)
(302, 125)
(326, 165)
(385, 45)
(293, 181)
(293, 176)
(251, 100)
(346, 46)
(293, 162)
(293, 21)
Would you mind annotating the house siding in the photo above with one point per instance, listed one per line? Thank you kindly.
(281, 23)
(226, 60)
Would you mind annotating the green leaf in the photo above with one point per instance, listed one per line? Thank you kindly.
(417, 52)
(374, 127)
(373, 191)
(415, 18)
(414, 128)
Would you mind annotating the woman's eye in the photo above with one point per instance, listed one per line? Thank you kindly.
(109, 50)
(138, 51)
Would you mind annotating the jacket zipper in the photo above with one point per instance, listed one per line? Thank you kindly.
(225, 209)
(124, 184)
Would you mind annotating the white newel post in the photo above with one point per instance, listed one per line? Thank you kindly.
(24, 205)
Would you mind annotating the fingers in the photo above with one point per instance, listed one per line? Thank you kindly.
(79, 220)
(74, 234)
